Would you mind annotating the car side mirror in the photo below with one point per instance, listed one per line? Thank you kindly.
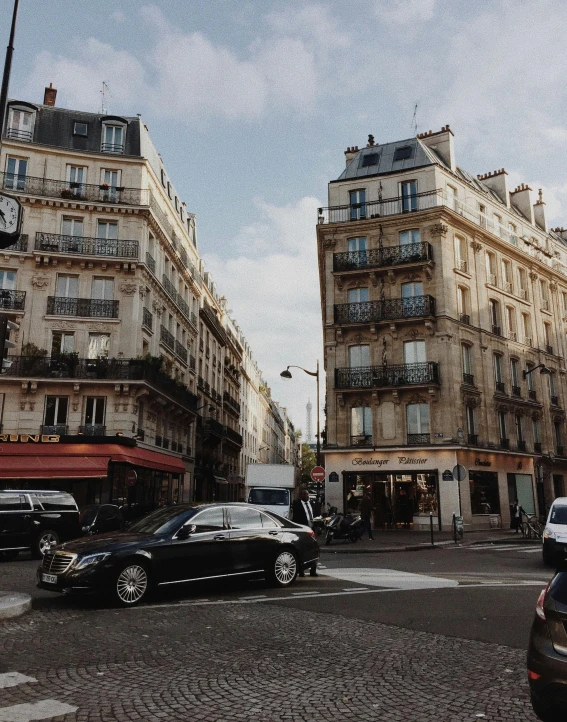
(186, 531)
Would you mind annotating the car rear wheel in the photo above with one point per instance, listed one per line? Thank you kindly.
(44, 542)
(132, 584)
(283, 570)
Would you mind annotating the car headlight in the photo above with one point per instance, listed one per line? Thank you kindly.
(91, 559)
(548, 534)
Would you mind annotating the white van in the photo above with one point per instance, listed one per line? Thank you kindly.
(555, 532)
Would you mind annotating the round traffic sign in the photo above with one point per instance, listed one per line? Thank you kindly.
(459, 472)
(318, 473)
(131, 477)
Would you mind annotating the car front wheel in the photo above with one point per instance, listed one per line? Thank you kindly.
(44, 542)
(132, 584)
(283, 570)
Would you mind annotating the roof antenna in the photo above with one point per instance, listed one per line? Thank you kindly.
(103, 92)
(414, 120)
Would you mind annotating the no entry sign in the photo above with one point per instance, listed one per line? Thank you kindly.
(318, 473)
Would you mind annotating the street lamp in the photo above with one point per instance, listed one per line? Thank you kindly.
(287, 375)
(542, 369)
(211, 408)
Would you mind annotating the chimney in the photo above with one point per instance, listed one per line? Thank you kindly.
(561, 232)
(520, 199)
(350, 153)
(498, 183)
(442, 143)
(539, 212)
(49, 95)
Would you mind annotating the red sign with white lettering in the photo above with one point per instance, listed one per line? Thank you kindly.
(318, 473)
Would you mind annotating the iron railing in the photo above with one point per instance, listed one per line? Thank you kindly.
(151, 262)
(516, 391)
(554, 400)
(59, 243)
(381, 208)
(380, 257)
(537, 447)
(361, 440)
(465, 318)
(112, 148)
(388, 310)
(500, 387)
(17, 134)
(176, 297)
(232, 436)
(192, 363)
(12, 300)
(212, 426)
(504, 443)
(147, 318)
(21, 246)
(548, 349)
(521, 445)
(167, 338)
(181, 351)
(85, 307)
(231, 402)
(51, 188)
(496, 330)
(210, 318)
(55, 429)
(468, 379)
(473, 439)
(92, 430)
(418, 439)
(376, 376)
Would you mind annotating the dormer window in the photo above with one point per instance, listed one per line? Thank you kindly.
(403, 153)
(20, 124)
(80, 129)
(113, 137)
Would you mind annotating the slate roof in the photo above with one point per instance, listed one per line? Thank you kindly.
(362, 165)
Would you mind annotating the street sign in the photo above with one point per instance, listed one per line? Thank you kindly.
(333, 476)
(447, 475)
(10, 220)
(131, 477)
(459, 472)
(318, 473)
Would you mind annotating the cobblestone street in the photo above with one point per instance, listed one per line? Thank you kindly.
(254, 662)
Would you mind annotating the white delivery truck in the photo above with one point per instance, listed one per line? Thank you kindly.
(271, 486)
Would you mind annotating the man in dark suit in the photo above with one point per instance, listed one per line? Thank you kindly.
(302, 512)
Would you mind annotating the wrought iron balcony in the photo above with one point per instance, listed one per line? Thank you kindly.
(548, 348)
(12, 300)
(419, 439)
(21, 246)
(147, 319)
(532, 395)
(389, 310)
(496, 330)
(177, 297)
(59, 243)
(521, 445)
(233, 436)
(367, 377)
(381, 208)
(465, 318)
(554, 400)
(378, 258)
(231, 402)
(151, 262)
(500, 387)
(537, 447)
(181, 351)
(17, 134)
(516, 391)
(468, 379)
(92, 430)
(212, 426)
(50, 188)
(55, 429)
(504, 443)
(473, 439)
(112, 148)
(84, 307)
(361, 440)
(167, 338)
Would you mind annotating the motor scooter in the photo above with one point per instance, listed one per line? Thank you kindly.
(340, 526)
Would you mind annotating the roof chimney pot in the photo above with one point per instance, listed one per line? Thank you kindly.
(49, 95)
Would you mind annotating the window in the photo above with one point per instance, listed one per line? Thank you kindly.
(482, 215)
(20, 124)
(357, 201)
(404, 152)
(558, 437)
(56, 408)
(67, 286)
(110, 181)
(514, 374)
(417, 418)
(361, 425)
(209, 520)
(544, 295)
(511, 322)
(80, 128)
(467, 364)
(107, 229)
(12, 502)
(242, 518)
(62, 342)
(16, 171)
(536, 433)
(163, 181)
(552, 389)
(8, 280)
(471, 425)
(414, 352)
(357, 295)
(99, 345)
(502, 426)
(491, 268)
(412, 289)
(357, 244)
(410, 236)
(408, 193)
(463, 304)
(498, 225)
(103, 289)
(494, 312)
(485, 498)
(72, 227)
(507, 276)
(95, 408)
(461, 253)
(523, 283)
(452, 202)
(512, 234)
(113, 138)
(527, 328)
(76, 178)
(498, 372)
(359, 356)
(369, 159)
(169, 193)
(519, 431)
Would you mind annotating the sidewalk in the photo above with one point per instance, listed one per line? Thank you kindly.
(402, 540)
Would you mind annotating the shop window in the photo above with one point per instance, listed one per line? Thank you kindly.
(485, 498)
(520, 487)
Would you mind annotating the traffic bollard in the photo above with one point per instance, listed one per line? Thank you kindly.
(431, 527)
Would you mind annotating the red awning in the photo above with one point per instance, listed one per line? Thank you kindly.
(33, 466)
(148, 459)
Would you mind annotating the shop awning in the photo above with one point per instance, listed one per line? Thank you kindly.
(148, 459)
(33, 466)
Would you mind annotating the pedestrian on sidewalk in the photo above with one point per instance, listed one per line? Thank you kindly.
(516, 516)
(366, 515)
(302, 513)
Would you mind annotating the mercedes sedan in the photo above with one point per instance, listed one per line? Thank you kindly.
(179, 544)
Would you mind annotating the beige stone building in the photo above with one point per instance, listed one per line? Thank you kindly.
(444, 300)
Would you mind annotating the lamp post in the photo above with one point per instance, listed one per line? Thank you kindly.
(542, 369)
(7, 69)
(287, 375)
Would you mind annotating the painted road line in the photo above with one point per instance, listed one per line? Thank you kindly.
(304, 594)
(354, 589)
(391, 578)
(46, 709)
(254, 596)
(12, 679)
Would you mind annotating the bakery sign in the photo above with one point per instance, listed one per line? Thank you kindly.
(359, 461)
(29, 438)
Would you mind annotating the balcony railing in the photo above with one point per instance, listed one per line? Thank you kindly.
(496, 330)
(473, 439)
(210, 318)
(167, 338)
(71, 367)
(389, 310)
(50, 188)
(379, 376)
(151, 262)
(12, 300)
(521, 445)
(84, 307)
(192, 363)
(418, 439)
(361, 440)
(381, 208)
(212, 426)
(92, 430)
(554, 400)
(181, 351)
(59, 243)
(468, 379)
(532, 395)
(232, 436)
(465, 318)
(177, 297)
(516, 391)
(231, 402)
(548, 349)
(112, 148)
(147, 319)
(537, 447)
(17, 134)
(504, 443)
(500, 387)
(377, 258)
(21, 246)
(55, 429)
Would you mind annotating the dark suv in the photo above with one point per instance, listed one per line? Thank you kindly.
(36, 520)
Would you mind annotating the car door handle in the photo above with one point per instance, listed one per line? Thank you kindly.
(273, 533)
(219, 537)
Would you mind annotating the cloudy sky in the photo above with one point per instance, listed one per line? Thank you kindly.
(252, 104)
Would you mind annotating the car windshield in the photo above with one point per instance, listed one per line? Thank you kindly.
(162, 521)
(558, 515)
(269, 497)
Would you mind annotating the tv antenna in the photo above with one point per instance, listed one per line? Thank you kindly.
(104, 92)
(414, 119)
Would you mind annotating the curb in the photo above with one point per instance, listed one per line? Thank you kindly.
(379, 550)
(14, 604)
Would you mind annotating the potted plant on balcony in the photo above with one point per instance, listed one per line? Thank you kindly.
(33, 360)
(68, 193)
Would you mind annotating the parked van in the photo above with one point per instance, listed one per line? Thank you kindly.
(555, 532)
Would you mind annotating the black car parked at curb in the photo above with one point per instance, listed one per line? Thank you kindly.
(36, 521)
(180, 544)
(547, 653)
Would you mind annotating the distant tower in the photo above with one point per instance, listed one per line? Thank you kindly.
(309, 407)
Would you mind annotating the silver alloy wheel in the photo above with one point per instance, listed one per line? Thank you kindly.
(285, 568)
(46, 542)
(131, 584)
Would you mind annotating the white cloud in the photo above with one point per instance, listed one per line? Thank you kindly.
(273, 287)
(404, 12)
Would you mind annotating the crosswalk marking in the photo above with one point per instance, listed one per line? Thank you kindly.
(12, 679)
(501, 548)
(45, 709)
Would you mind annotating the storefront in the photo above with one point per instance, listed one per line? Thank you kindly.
(122, 473)
(408, 487)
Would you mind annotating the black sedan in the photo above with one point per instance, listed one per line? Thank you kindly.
(180, 544)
